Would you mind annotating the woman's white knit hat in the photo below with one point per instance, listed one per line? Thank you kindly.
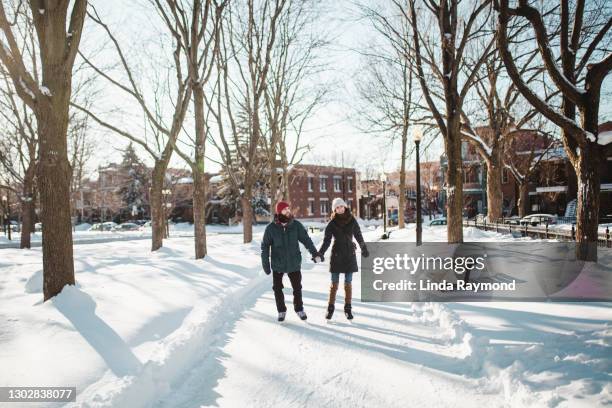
(337, 203)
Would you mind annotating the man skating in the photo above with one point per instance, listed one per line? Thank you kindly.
(283, 236)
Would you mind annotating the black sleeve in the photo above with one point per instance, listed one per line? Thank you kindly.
(357, 234)
(304, 238)
(265, 250)
(326, 239)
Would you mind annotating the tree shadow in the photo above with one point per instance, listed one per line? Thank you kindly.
(80, 309)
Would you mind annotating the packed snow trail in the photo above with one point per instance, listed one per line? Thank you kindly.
(403, 354)
(390, 355)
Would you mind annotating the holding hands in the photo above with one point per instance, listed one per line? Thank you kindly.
(318, 257)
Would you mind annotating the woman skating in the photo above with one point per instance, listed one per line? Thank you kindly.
(342, 227)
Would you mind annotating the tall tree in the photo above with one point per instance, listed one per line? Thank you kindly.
(292, 94)
(585, 60)
(133, 191)
(500, 107)
(195, 26)
(452, 65)
(387, 88)
(164, 114)
(248, 37)
(49, 100)
(19, 154)
(523, 157)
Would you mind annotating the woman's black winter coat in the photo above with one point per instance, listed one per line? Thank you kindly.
(343, 258)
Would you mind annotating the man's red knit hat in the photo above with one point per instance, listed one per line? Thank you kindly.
(280, 206)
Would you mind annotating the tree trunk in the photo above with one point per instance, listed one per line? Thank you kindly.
(247, 217)
(285, 190)
(587, 214)
(523, 201)
(27, 207)
(402, 187)
(199, 214)
(454, 192)
(26, 223)
(199, 178)
(274, 190)
(158, 219)
(54, 175)
(494, 191)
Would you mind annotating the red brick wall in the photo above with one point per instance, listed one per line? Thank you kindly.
(299, 194)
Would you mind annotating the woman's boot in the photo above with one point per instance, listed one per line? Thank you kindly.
(348, 295)
(333, 288)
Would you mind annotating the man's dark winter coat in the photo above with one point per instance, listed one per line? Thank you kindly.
(283, 241)
(343, 228)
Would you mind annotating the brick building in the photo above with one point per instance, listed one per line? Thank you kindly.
(312, 188)
(552, 185)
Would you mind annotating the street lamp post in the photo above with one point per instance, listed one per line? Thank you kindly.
(418, 135)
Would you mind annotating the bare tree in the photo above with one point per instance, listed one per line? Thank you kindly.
(291, 96)
(585, 60)
(49, 100)
(195, 27)
(452, 64)
(248, 38)
(387, 88)
(165, 130)
(18, 154)
(523, 157)
(500, 106)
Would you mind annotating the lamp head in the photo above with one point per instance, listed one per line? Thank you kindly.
(417, 134)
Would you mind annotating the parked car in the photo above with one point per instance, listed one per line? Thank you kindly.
(103, 226)
(15, 226)
(126, 226)
(514, 220)
(539, 219)
(437, 221)
(108, 226)
(480, 218)
(38, 227)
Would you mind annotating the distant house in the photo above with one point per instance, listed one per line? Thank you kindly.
(312, 188)
(553, 185)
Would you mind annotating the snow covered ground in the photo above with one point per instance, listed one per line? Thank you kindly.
(83, 236)
(162, 330)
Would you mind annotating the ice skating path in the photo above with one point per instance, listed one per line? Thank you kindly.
(392, 355)
(398, 354)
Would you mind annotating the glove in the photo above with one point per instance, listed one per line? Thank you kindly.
(364, 252)
(267, 271)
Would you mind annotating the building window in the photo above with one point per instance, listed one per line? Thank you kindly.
(349, 184)
(324, 207)
(350, 204)
(323, 184)
(337, 184)
(504, 176)
(470, 175)
(310, 181)
(311, 206)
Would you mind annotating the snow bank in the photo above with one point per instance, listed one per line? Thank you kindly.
(132, 325)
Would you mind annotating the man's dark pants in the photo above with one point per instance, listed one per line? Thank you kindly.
(296, 284)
